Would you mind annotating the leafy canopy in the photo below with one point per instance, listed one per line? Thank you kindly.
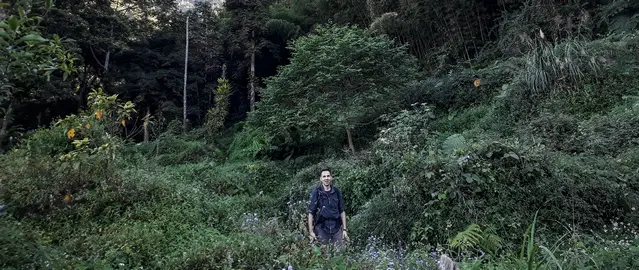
(27, 53)
(338, 78)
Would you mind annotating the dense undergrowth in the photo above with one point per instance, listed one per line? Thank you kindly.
(534, 166)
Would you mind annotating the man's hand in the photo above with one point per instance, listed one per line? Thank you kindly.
(345, 236)
(312, 237)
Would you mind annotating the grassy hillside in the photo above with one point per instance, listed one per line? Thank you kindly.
(525, 162)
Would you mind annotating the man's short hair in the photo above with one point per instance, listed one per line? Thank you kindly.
(324, 169)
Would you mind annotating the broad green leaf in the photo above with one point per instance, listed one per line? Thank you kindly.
(13, 23)
(452, 115)
(31, 37)
(4, 25)
(471, 177)
(454, 143)
(22, 14)
(511, 155)
(429, 175)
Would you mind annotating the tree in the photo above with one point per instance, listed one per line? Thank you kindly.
(150, 71)
(104, 28)
(338, 78)
(153, 79)
(186, 68)
(216, 116)
(248, 22)
(28, 57)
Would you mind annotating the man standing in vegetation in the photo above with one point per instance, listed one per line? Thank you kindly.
(326, 216)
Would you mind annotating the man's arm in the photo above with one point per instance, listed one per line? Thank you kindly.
(312, 208)
(310, 223)
(344, 230)
(343, 216)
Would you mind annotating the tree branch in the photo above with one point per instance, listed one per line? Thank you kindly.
(95, 57)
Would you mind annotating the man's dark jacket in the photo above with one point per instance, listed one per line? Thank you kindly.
(326, 207)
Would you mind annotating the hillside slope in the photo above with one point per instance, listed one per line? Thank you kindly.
(458, 173)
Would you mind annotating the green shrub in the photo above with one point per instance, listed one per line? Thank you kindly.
(49, 142)
(456, 90)
(148, 216)
(611, 133)
(249, 143)
(447, 184)
(558, 132)
(237, 251)
(17, 247)
(573, 251)
(250, 178)
(173, 150)
(40, 184)
(596, 95)
(462, 120)
(267, 177)
(566, 71)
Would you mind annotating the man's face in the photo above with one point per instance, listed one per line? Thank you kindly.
(326, 178)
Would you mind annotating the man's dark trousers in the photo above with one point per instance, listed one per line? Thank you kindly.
(324, 237)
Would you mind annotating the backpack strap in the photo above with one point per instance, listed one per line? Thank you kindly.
(315, 215)
(339, 198)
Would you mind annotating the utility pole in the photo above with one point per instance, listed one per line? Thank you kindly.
(186, 62)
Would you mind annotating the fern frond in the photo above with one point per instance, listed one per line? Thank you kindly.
(248, 144)
(491, 243)
(467, 239)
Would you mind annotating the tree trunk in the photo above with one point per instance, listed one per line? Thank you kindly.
(252, 75)
(84, 92)
(5, 123)
(146, 124)
(224, 71)
(108, 54)
(83, 86)
(371, 10)
(479, 22)
(106, 62)
(350, 140)
(186, 62)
